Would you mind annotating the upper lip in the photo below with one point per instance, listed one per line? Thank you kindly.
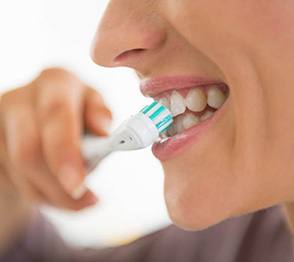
(155, 86)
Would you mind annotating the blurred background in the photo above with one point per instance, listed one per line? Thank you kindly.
(36, 34)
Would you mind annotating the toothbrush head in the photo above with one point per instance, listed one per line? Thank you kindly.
(159, 115)
(137, 132)
(144, 128)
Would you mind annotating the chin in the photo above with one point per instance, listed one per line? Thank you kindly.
(190, 222)
(191, 213)
(199, 200)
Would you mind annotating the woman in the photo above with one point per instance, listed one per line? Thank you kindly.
(238, 160)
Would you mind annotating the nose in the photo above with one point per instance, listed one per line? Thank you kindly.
(130, 32)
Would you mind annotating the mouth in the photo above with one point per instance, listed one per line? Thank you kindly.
(195, 104)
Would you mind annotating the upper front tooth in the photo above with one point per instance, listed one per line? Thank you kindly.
(190, 120)
(196, 100)
(177, 104)
(164, 101)
(215, 97)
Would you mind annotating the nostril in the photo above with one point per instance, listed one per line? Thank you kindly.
(128, 54)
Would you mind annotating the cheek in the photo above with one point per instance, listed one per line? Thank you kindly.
(207, 25)
(215, 179)
(234, 172)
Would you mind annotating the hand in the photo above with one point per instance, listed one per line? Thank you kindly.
(40, 131)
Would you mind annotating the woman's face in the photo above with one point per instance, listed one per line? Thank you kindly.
(240, 159)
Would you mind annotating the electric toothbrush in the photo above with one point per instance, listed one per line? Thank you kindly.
(137, 132)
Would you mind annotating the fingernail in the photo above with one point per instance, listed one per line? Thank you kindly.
(68, 177)
(79, 192)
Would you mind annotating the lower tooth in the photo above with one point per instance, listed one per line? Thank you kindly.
(206, 115)
(172, 131)
(190, 120)
(164, 135)
(179, 124)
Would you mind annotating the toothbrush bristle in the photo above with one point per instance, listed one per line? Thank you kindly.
(160, 115)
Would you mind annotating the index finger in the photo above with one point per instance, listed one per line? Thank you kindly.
(59, 103)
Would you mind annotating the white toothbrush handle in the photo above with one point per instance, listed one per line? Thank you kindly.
(94, 149)
(135, 133)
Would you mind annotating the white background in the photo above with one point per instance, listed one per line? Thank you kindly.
(35, 34)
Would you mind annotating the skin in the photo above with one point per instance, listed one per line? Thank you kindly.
(40, 159)
(242, 165)
(245, 162)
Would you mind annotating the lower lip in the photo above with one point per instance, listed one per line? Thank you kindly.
(175, 145)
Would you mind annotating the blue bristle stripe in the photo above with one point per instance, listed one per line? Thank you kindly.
(165, 127)
(165, 121)
(156, 109)
(148, 108)
(168, 123)
(157, 112)
(163, 130)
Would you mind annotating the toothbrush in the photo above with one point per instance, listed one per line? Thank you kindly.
(137, 132)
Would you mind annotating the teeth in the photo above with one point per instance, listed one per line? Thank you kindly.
(179, 127)
(164, 101)
(190, 120)
(215, 97)
(196, 100)
(206, 115)
(164, 135)
(184, 122)
(172, 131)
(177, 104)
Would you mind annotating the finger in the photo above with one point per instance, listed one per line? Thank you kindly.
(97, 116)
(59, 111)
(42, 188)
(21, 145)
(26, 164)
(56, 196)
(3, 153)
(27, 191)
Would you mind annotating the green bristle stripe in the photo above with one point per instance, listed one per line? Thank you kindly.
(157, 112)
(164, 122)
(148, 108)
(165, 128)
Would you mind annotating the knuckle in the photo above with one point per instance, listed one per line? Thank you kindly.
(55, 71)
(53, 107)
(59, 77)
